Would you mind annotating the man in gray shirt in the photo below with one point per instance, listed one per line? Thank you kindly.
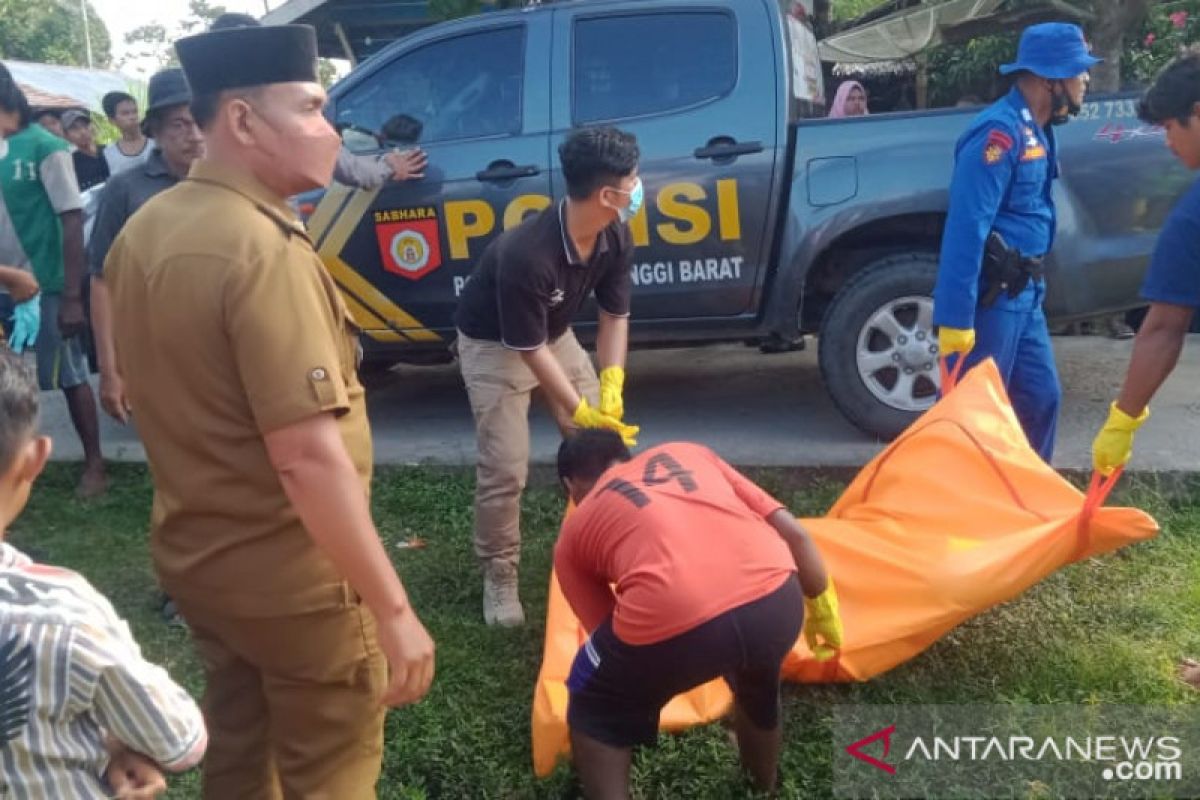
(178, 142)
(372, 171)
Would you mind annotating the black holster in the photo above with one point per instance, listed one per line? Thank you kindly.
(1005, 270)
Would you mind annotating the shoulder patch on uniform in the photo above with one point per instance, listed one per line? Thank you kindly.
(998, 143)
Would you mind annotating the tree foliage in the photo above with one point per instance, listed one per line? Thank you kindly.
(1113, 20)
(1144, 47)
(850, 9)
(453, 9)
(327, 72)
(154, 42)
(1136, 37)
(52, 32)
(956, 71)
(1168, 29)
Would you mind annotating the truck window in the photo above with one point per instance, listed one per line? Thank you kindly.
(634, 65)
(808, 84)
(458, 88)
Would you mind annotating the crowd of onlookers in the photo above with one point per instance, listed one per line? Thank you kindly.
(95, 164)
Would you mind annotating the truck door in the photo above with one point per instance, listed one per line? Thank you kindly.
(463, 97)
(696, 84)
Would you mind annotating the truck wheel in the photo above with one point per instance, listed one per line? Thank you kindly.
(877, 350)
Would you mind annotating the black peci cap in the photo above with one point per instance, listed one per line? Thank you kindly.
(232, 19)
(235, 58)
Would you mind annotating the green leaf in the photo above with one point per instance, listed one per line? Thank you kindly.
(45, 31)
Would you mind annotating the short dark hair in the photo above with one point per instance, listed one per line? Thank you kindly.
(595, 157)
(12, 99)
(1175, 92)
(205, 106)
(114, 99)
(232, 19)
(18, 407)
(587, 454)
(403, 129)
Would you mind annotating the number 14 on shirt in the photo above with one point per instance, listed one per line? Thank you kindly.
(659, 470)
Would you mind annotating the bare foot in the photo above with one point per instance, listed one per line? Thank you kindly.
(1189, 672)
(93, 483)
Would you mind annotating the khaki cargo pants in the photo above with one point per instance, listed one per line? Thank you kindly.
(500, 386)
(291, 704)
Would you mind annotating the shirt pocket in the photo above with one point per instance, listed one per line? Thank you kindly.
(1029, 185)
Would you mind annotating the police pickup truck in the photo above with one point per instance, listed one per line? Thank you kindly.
(762, 223)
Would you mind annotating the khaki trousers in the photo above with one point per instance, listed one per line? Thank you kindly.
(500, 386)
(292, 704)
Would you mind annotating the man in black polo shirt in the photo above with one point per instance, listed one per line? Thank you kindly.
(91, 168)
(514, 336)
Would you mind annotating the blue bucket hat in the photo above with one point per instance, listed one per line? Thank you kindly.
(1053, 50)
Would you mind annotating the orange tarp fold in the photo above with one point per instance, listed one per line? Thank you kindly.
(957, 515)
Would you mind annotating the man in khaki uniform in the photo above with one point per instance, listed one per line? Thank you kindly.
(239, 360)
(514, 336)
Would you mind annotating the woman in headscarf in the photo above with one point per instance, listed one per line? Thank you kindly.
(850, 100)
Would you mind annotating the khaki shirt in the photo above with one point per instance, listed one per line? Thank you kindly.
(228, 327)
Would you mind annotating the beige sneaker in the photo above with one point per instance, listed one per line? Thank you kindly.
(501, 603)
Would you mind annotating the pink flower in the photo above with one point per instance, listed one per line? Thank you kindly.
(1179, 19)
(1149, 39)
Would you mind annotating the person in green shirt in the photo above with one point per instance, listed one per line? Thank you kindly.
(41, 230)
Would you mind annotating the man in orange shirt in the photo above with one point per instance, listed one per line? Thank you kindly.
(710, 576)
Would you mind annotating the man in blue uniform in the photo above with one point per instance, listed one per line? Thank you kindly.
(988, 298)
(1172, 285)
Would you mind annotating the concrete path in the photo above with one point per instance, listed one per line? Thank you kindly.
(755, 410)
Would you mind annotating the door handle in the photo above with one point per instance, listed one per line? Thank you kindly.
(723, 148)
(506, 171)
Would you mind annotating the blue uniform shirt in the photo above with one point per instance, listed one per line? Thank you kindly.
(1004, 165)
(1174, 274)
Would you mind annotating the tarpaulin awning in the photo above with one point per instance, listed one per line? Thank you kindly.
(66, 87)
(903, 34)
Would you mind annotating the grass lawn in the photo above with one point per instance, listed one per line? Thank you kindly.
(1108, 630)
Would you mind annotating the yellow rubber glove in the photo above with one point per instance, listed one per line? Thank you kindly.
(955, 340)
(821, 619)
(612, 383)
(1114, 444)
(587, 417)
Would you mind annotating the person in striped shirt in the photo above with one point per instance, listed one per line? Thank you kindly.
(83, 715)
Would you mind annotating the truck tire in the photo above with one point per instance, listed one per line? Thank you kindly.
(877, 349)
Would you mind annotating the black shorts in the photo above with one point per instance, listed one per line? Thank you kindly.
(617, 690)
